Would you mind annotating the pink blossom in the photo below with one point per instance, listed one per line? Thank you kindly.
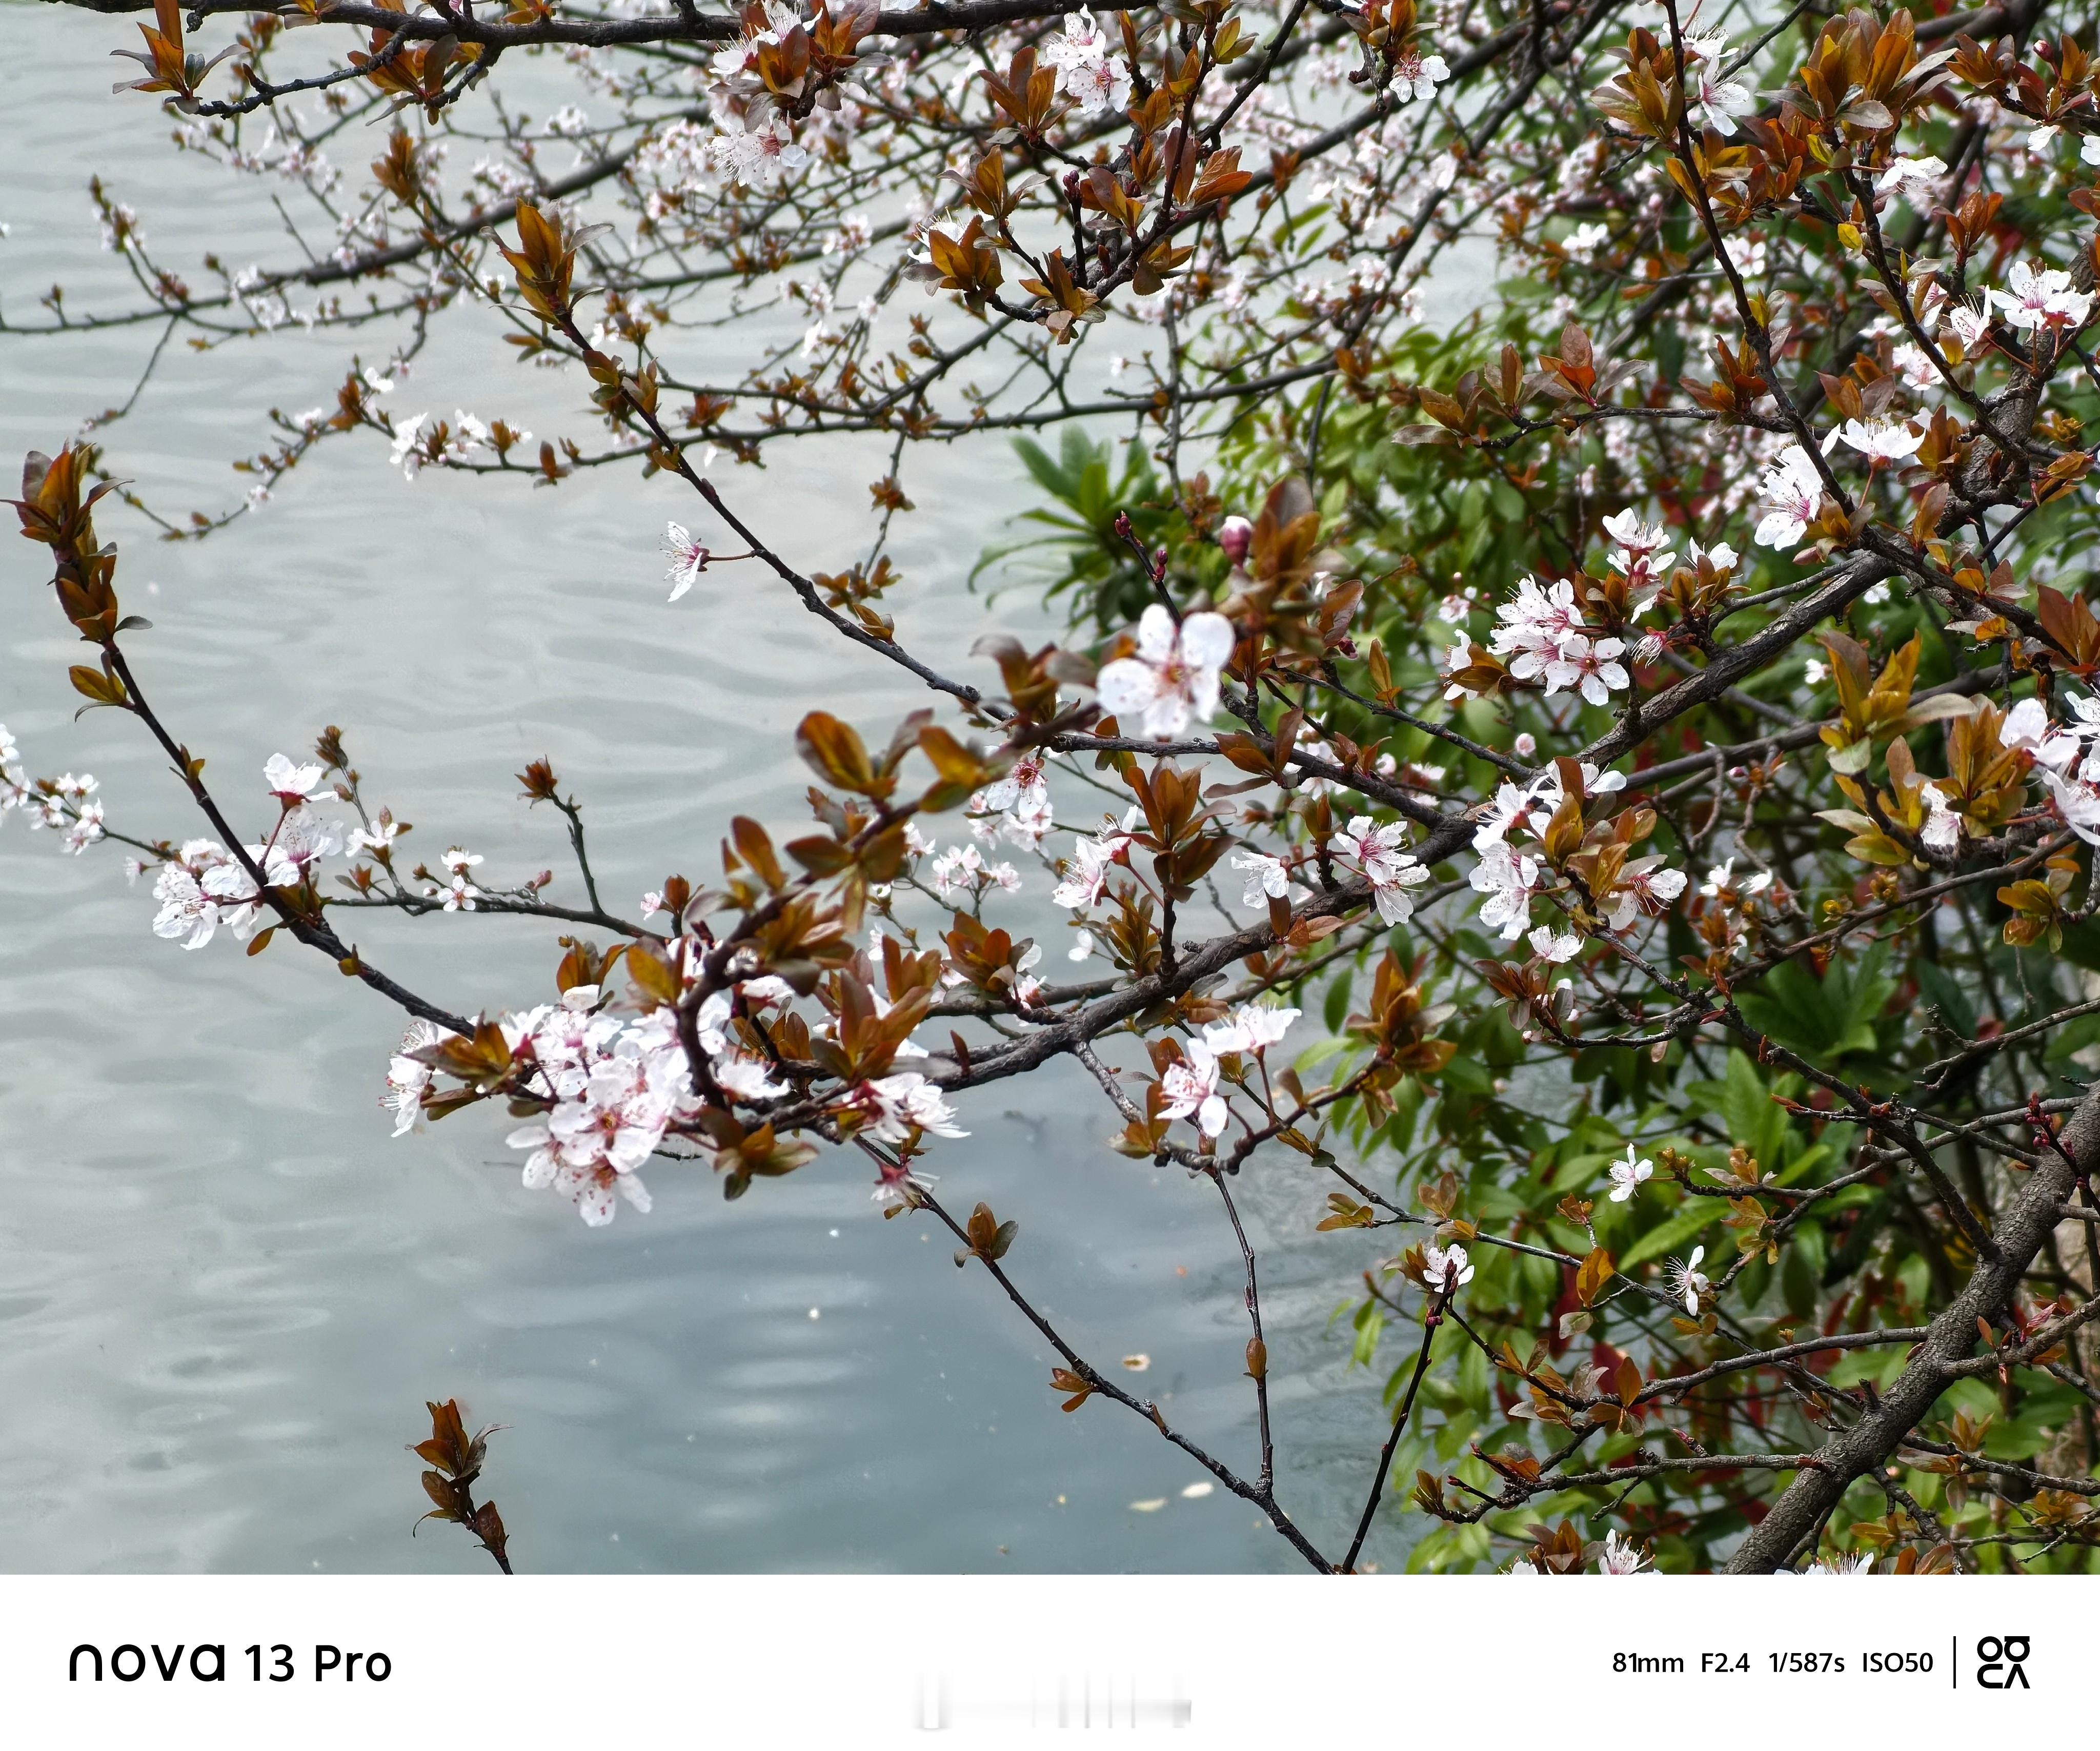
(688, 558)
(1173, 675)
(1191, 1088)
(1793, 492)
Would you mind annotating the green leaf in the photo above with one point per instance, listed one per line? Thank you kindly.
(1370, 1322)
(2081, 946)
(1744, 1101)
(2073, 1038)
(1822, 1019)
(1335, 1011)
(1944, 991)
(1800, 1164)
(1673, 1234)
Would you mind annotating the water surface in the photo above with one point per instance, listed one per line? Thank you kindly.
(225, 1292)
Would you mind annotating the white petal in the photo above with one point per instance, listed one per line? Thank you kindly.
(1155, 634)
(1167, 718)
(1127, 687)
(1207, 639)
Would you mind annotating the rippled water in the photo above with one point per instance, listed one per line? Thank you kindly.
(224, 1292)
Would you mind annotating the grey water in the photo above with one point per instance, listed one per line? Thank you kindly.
(226, 1292)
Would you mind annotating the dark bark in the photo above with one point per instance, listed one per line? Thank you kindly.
(1951, 1338)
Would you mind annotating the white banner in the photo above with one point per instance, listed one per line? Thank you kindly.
(322, 1661)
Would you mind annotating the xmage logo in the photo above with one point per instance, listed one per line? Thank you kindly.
(2001, 1662)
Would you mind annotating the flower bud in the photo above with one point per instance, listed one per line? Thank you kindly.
(1235, 535)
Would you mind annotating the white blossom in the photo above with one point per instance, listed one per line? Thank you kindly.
(1686, 1281)
(1914, 365)
(1416, 75)
(1508, 879)
(2041, 298)
(688, 558)
(754, 157)
(1249, 1027)
(1644, 887)
(1086, 72)
(406, 454)
(459, 894)
(1021, 802)
(1793, 492)
(1721, 100)
(378, 835)
(617, 1087)
(1858, 1562)
(1087, 870)
(185, 910)
(1882, 440)
(1446, 1267)
(1191, 1088)
(895, 1182)
(1173, 677)
(1392, 871)
(1267, 879)
(1918, 179)
(1970, 326)
(1620, 1557)
(1591, 667)
(898, 1105)
(956, 870)
(1556, 950)
(1543, 633)
(291, 784)
(1626, 1176)
(301, 840)
(1942, 825)
(408, 1077)
(85, 828)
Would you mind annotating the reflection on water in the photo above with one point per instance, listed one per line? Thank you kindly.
(224, 1290)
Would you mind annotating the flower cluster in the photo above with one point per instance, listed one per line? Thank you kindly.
(616, 1085)
(203, 887)
(416, 448)
(2068, 758)
(1087, 74)
(962, 870)
(1510, 878)
(1545, 637)
(753, 144)
(897, 1108)
(1791, 490)
(1375, 850)
(1087, 870)
(67, 804)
